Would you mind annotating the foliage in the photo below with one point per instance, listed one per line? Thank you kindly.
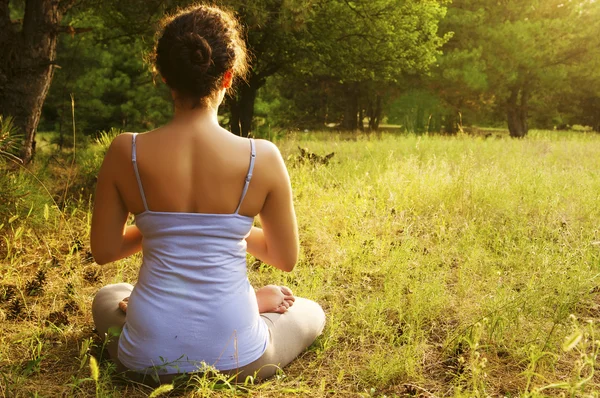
(104, 70)
(433, 64)
(357, 51)
(515, 54)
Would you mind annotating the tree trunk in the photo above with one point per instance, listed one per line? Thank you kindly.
(350, 120)
(361, 118)
(375, 114)
(241, 106)
(27, 65)
(450, 124)
(516, 112)
(436, 124)
(234, 115)
(420, 120)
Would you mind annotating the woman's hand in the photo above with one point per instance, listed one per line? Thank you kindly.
(273, 298)
(123, 304)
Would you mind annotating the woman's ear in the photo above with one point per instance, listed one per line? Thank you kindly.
(227, 79)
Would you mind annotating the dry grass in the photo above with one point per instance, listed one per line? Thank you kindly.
(447, 266)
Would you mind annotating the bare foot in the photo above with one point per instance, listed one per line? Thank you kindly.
(273, 298)
(123, 304)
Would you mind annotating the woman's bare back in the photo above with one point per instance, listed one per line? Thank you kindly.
(193, 171)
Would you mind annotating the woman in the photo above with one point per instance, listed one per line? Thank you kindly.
(195, 190)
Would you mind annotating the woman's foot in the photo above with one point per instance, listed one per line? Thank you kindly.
(123, 304)
(273, 298)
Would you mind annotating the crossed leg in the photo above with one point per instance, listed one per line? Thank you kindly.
(290, 333)
(109, 318)
(270, 298)
(293, 322)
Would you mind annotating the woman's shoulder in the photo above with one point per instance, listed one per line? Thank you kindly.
(120, 148)
(122, 141)
(270, 163)
(267, 149)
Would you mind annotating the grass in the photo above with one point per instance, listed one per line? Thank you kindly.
(447, 266)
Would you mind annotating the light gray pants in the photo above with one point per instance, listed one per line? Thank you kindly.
(289, 333)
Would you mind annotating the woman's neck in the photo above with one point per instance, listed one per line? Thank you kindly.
(187, 112)
(192, 114)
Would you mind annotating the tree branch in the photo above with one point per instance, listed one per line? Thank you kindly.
(350, 6)
(72, 30)
(268, 71)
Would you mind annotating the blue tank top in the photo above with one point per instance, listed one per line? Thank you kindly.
(193, 303)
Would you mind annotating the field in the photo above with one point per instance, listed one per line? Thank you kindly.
(447, 267)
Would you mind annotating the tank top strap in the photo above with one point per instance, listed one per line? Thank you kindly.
(249, 175)
(137, 173)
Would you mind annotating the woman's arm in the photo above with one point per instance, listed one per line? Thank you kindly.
(276, 243)
(111, 238)
(256, 244)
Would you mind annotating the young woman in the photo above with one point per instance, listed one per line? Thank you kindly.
(195, 190)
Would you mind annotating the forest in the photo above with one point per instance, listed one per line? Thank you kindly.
(423, 66)
(443, 158)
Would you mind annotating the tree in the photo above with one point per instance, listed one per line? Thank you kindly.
(274, 33)
(359, 50)
(27, 55)
(105, 72)
(519, 49)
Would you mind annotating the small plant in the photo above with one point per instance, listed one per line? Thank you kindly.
(582, 341)
(32, 365)
(9, 141)
(165, 388)
(105, 138)
(313, 158)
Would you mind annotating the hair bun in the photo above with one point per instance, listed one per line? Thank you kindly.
(195, 48)
(192, 52)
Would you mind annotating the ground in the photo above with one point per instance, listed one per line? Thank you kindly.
(447, 266)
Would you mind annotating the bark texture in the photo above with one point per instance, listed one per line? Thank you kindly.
(351, 111)
(241, 102)
(516, 112)
(27, 55)
(374, 113)
(241, 107)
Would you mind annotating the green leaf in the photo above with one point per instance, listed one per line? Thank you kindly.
(114, 331)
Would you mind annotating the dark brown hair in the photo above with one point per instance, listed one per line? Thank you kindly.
(196, 46)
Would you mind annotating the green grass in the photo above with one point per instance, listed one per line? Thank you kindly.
(447, 266)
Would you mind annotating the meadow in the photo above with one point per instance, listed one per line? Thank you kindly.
(448, 266)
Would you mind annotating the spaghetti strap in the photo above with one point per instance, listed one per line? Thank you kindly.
(137, 173)
(248, 176)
